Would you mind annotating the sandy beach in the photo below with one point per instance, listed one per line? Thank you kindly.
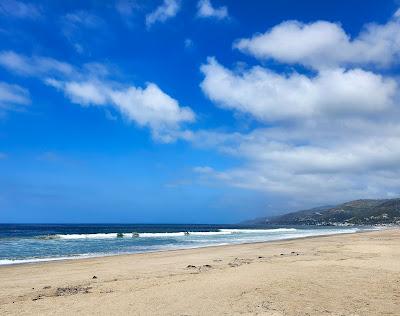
(353, 274)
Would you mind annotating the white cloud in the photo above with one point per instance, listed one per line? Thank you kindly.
(19, 9)
(324, 162)
(85, 93)
(34, 66)
(168, 9)
(151, 106)
(13, 95)
(148, 107)
(323, 136)
(332, 150)
(325, 44)
(271, 96)
(344, 152)
(206, 10)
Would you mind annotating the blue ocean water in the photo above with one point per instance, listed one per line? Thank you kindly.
(21, 243)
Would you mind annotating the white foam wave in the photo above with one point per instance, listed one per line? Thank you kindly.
(220, 232)
(150, 235)
(249, 232)
(35, 260)
(142, 235)
(259, 231)
(246, 236)
(88, 236)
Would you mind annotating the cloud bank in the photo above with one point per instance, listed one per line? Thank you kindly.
(325, 135)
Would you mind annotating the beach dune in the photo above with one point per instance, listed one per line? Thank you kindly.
(352, 274)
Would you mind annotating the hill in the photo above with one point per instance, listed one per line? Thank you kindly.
(358, 212)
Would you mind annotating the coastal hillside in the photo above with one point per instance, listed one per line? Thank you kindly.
(358, 212)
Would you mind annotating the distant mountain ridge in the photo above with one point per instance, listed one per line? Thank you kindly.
(358, 212)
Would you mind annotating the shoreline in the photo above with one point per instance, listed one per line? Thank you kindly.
(343, 274)
(97, 256)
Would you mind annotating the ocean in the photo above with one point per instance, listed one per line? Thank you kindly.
(21, 243)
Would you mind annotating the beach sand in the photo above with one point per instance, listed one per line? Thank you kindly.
(354, 274)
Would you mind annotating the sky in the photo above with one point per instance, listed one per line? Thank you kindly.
(195, 111)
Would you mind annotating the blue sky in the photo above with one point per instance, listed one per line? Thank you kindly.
(195, 111)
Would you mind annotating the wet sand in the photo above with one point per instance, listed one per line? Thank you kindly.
(354, 274)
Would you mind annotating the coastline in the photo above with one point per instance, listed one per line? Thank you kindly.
(346, 274)
(105, 255)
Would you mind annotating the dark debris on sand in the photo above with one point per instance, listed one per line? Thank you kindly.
(204, 267)
(72, 290)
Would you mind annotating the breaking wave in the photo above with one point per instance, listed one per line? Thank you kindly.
(166, 235)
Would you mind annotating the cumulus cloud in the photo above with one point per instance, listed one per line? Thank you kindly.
(325, 44)
(271, 96)
(206, 10)
(151, 106)
(322, 162)
(148, 106)
(13, 95)
(89, 86)
(324, 136)
(332, 150)
(168, 9)
(83, 93)
(19, 9)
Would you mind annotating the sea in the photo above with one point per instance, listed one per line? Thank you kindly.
(22, 243)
